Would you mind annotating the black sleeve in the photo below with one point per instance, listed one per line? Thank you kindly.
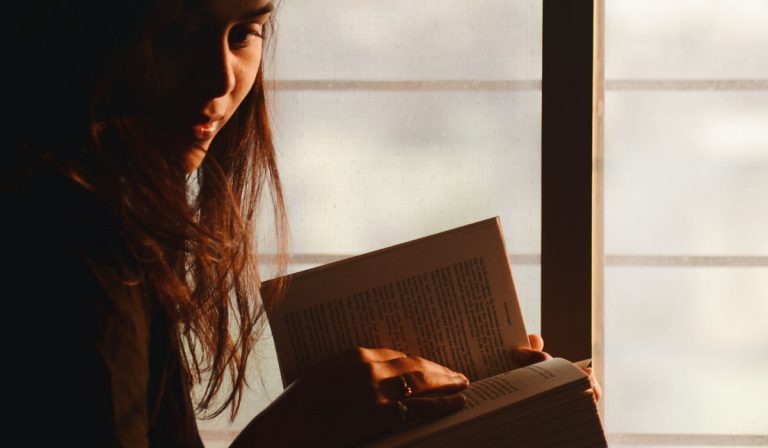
(89, 360)
(76, 354)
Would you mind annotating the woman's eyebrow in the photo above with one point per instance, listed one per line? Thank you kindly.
(205, 10)
(266, 9)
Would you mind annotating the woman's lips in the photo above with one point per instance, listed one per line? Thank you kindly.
(194, 128)
(205, 131)
(205, 128)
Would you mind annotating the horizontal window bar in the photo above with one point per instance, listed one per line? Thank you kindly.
(514, 259)
(686, 84)
(687, 439)
(613, 438)
(514, 85)
(687, 260)
(610, 260)
(418, 86)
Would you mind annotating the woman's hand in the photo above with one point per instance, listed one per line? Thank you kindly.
(528, 356)
(354, 397)
(596, 390)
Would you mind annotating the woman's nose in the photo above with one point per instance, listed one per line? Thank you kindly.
(217, 70)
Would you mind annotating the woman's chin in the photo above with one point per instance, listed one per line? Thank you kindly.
(194, 157)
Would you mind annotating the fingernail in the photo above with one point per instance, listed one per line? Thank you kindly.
(462, 378)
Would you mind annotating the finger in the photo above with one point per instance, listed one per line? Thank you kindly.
(596, 389)
(536, 342)
(421, 383)
(382, 354)
(399, 366)
(432, 384)
(419, 408)
(526, 356)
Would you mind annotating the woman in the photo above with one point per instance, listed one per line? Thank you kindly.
(131, 197)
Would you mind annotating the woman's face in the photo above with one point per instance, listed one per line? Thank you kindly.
(208, 61)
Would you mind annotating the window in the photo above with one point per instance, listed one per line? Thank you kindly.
(685, 327)
(398, 119)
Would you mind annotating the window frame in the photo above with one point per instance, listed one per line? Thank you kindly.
(566, 180)
(599, 259)
(572, 249)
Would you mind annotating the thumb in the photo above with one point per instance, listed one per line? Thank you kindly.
(536, 341)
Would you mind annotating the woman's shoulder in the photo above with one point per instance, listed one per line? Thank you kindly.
(66, 245)
(92, 333)
(53, 222)
(44, 204)
(66, 258)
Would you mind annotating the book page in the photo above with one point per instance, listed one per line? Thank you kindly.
(545, 383)
(517, 426)
(448, 297)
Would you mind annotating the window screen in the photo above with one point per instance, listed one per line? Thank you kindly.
(399, 119)
(686, 262)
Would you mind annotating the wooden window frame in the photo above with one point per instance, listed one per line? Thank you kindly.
(568, 85)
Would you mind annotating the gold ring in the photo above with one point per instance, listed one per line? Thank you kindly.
(407, 389)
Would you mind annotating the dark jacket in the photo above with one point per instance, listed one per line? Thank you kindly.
(88, 360)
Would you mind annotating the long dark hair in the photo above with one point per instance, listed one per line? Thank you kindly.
(193, 238)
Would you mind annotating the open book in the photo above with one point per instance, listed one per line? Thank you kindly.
(449, 298)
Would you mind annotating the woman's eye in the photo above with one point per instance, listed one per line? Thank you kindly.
(245, 34)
